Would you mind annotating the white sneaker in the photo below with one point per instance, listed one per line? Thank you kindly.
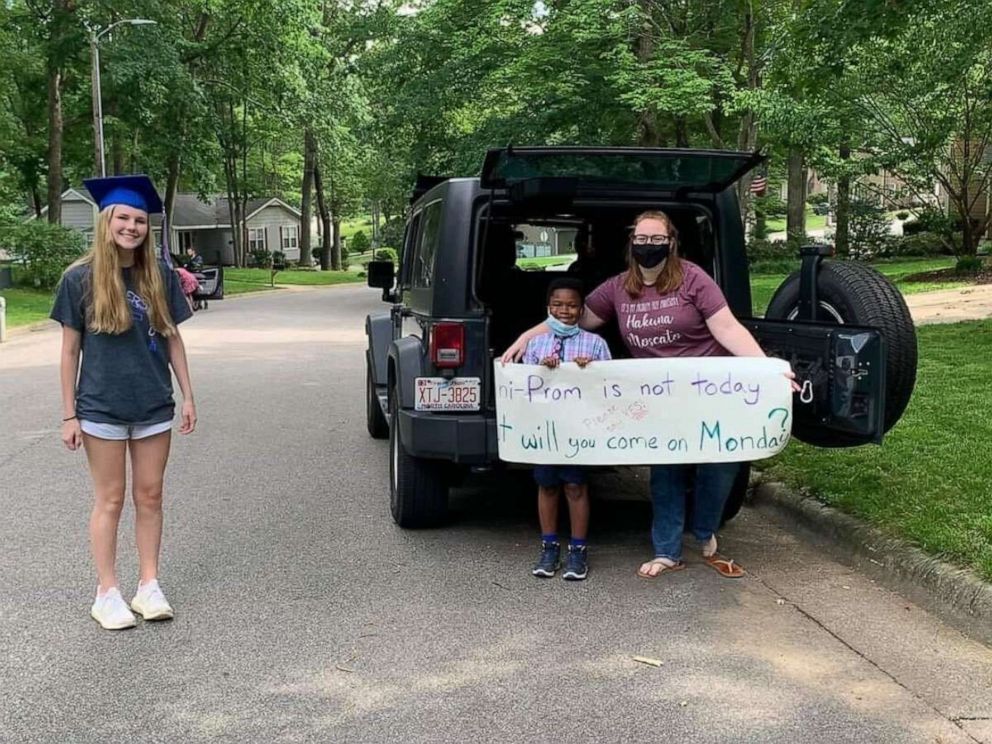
(150, 603)
(110, 610)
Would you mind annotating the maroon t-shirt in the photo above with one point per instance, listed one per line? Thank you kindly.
(663, 325)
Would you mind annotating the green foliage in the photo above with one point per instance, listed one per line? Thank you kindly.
(761, 251)
(915, 244)
(902, 215)
(814, 199)
(359, 242)
(386, 254)
(279, 260)
(969, 265)
(391, 233)
(868, 229)
(259, 257)
(41, 251)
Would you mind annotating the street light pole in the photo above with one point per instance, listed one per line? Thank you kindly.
(97, 97)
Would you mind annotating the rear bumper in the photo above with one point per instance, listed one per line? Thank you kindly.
(469, 439)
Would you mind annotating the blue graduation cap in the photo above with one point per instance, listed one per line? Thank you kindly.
(136, 191)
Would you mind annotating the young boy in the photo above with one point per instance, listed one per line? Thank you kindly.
(566, 342)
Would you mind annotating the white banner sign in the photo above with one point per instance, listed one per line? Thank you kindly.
(643, 411)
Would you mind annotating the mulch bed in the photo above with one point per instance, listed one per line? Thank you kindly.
(949, 275)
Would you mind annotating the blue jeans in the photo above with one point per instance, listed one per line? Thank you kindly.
(668, 494)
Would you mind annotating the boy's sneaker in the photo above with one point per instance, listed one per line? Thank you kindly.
(150, 603)
(576, 564)
(110, 610)
(549, 560)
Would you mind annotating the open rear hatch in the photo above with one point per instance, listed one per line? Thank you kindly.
(640, 168)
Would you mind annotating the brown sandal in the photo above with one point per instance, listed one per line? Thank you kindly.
(726, 567)
(665, 568)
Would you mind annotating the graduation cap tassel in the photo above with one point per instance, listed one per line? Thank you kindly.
(166, 253)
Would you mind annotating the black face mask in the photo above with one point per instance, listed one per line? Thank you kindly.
(649, 256)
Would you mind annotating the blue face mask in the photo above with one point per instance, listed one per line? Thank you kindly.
(560, 329)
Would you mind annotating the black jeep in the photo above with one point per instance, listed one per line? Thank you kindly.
(471, 279)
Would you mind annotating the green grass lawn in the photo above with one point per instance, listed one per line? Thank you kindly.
(931, 481)
(299, 278)
(234, 287)
(813, 222)
(25, 306)
(763, 286)
(545, 261)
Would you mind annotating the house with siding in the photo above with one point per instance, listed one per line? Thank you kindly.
(271, 224)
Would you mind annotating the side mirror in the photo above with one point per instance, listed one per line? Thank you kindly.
(382, 275)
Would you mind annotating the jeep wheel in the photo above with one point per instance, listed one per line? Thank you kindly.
(853, 293)
(418, 491)
(375, 419)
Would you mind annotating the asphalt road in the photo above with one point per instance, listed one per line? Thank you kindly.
(304, 614)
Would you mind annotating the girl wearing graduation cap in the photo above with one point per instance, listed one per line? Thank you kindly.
(120, 308)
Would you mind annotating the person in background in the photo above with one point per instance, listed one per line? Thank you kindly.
(194, 261)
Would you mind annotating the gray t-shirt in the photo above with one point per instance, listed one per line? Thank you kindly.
(123, 378)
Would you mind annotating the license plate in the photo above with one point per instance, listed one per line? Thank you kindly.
(440, 394)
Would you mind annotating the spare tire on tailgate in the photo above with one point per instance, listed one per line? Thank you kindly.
(856, 294)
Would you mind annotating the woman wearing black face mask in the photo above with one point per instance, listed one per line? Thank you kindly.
(666, 306)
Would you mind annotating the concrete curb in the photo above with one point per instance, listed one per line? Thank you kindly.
(954, 593)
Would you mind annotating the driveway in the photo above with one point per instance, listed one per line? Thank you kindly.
(305, 614)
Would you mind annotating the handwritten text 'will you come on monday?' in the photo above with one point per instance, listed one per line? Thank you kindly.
(643, 411)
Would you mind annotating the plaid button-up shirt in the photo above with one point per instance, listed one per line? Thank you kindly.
(582, 344)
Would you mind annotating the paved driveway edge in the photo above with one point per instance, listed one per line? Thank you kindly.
(958, 595)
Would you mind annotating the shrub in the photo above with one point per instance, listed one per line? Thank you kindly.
(391, 233)
(868, 229)
(969, 265)
(259, 258)
(359, 242)
(770, 206)
(814, 199)
(386, 254)
(762, 251)
(42, 251)
(919, 244)
(278, 260)
(902, 215)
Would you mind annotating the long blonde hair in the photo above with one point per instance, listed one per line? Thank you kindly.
(671, 274)
(107, 309)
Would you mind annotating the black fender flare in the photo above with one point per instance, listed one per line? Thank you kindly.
(379, 330)
(404, 365)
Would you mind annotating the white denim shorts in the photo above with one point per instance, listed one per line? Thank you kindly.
(121, 432)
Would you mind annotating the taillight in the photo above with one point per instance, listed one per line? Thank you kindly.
(448, 345)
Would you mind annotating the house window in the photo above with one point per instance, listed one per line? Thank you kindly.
(290, 237)
(256, 239)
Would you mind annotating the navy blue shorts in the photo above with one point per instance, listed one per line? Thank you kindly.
(549, 476)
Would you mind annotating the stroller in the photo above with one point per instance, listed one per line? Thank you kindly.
(202, 285)
(210, 286)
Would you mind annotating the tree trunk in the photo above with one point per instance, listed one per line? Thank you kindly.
(306, 204)
(647, 121)
(336, 251)
(375, 224)
(116, 150)
(171, 184)
(325, 223)
(54, 141)
(842, 213)
(681, 132)
(796, 206)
